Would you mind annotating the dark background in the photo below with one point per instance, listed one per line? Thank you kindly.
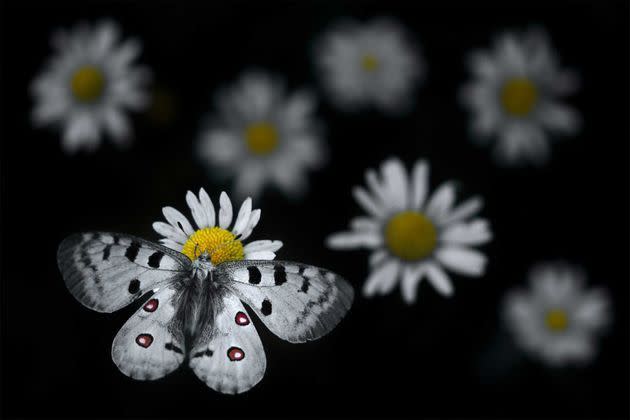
(439, 358)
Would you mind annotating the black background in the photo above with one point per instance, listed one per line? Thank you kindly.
(439, 358)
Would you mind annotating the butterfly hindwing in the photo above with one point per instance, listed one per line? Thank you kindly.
(107, 271)
(296, 302)
(228, 354)
(151, 343)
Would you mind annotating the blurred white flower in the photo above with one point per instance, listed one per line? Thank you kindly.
(557, 320)
(369, 64)
(515, 97)
(88, 85)
(213, 234)
(262, 136)
(412, 235)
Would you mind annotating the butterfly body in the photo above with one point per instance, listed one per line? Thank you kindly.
(196, 313)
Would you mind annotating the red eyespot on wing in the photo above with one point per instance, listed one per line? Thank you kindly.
(144, 340)
(151, 305)
(241, 319)
(235, 354)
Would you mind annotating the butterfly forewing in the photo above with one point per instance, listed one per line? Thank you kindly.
(228, 355)
(151, 343)
(107, 271)
(296, 302)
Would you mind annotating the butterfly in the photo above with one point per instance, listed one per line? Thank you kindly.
(196, 312)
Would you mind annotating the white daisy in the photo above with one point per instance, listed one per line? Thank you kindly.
(413, 235)
(557, 320)
(263, 136)
(88, 84)
(213, 233)
(515, 97)
(369, 64)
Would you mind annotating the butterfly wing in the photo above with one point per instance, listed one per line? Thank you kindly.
(228, 355)
(296, 302)
(108, 271)
(151, 343)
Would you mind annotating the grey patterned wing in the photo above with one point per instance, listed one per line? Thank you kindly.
(296, 302)
(108, 271)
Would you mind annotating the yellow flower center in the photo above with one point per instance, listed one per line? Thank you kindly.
(410, 235)
(88, 83)
(369, 62)
(261, 137)
(219, 243)
(557, 320)
(519, 96)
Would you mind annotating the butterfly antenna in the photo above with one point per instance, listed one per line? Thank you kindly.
(195, 251)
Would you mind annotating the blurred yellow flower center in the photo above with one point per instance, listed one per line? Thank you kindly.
(219, 243)
(261, 138)
(557, 320)
(88, 83)
(519, 96)
(410, 235)
(369, 62)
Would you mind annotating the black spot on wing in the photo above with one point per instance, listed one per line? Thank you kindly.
(305, 285)
(254, 275)
(266, 307)
(173, 347)
(132, 251)
(106, 252)
(279, 275)
(134, 286)
(155, 258)
(207, 352)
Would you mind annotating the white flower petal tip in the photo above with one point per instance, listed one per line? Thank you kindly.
(263, 137)
(424, 234)
(369, 65)
(558, 320)
(516, 97)
(88, 87)
(179, 234)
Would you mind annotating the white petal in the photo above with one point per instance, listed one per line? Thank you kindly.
(170, 232)
(367, 202)
(176, 219)
(419, 184)
(207, 206)
(395, 179)
(465, 210)
(262, 245)
(225, 212)
(382, 279)
(243, 217)
(199, 215)
(171, 244)
(253, 221)
(441, 201)
(593, 311)
(411, 277)
(376, 188)
(364, 224)
(462, 260)
(251, 180)
(117, 125)
(560, 118)
(439, 279)
(350, 240)
(377, 257)
(260, 255)
(476, 232)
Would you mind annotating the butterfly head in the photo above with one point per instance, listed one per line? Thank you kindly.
(202, 265)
